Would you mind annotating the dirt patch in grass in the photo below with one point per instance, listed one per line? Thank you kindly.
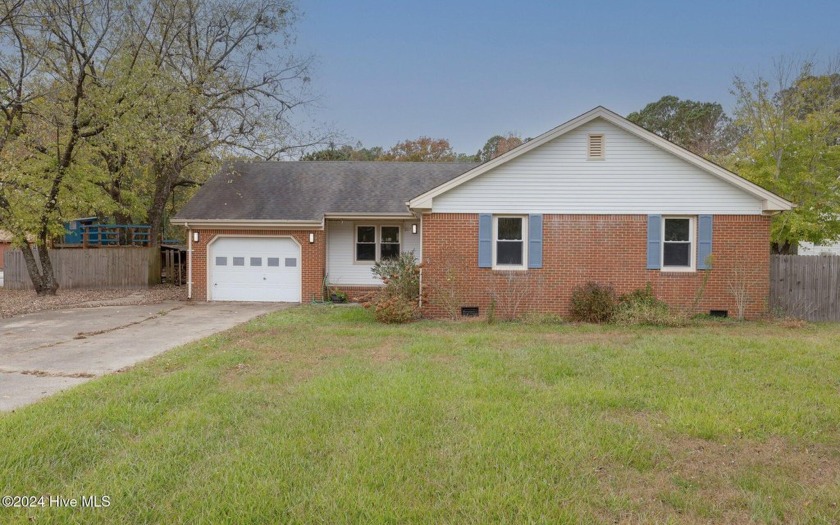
(307, 364)
(610, 338)
(734, 481)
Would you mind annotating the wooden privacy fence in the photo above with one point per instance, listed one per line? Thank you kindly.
(103, 268)
(805, 286)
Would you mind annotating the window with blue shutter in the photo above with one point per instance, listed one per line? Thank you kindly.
(535, 241)
(704, 242)
(485, 240)
(654, 242)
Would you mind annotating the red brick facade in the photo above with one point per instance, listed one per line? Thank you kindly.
(607, 249)
(356, 294)
(313, 257)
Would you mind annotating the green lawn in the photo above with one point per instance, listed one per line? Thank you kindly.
(320, 415)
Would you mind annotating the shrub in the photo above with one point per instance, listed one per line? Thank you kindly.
(398, 300)
(592, 303)
(641, 307)
(401, 276)
(395, 309)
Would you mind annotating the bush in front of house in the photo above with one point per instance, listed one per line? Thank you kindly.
(592, 303)
(398, 300)
(641, 307)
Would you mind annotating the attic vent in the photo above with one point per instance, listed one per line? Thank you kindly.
(596, 146)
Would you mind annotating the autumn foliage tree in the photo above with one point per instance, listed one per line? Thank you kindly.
(700, 127)
(109, 106)
(791, 146)
(498, 145)
(422, 149)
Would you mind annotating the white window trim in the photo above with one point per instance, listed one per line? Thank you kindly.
(377, 240)
(516, 267)
(692, 239)
(356, 243)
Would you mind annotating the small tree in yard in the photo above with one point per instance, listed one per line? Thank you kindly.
(445, 292)
(510, 294)
(398, 301)
(738, 284)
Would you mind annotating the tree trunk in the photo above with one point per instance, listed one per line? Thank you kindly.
(42, 276)
(785, 248)
(156, 212)
(167, 176)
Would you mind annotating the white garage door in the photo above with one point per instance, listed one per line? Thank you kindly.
(255, 269)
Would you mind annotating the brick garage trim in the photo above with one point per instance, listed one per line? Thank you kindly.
(607, 249)
(312, 258)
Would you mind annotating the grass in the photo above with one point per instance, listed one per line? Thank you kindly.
(320, 415)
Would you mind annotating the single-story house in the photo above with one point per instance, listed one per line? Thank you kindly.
(594, 199)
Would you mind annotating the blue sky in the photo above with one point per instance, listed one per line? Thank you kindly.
(466, 70)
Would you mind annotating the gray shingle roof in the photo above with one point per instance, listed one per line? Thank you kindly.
(305, 191)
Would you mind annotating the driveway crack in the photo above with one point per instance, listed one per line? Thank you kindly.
(85, 335)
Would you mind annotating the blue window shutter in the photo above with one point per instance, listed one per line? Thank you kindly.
(485, 240)
(704, 242)
(535, 241)
(654, 242)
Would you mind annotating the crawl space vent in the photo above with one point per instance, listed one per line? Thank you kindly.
(719, 313)
(469, 311)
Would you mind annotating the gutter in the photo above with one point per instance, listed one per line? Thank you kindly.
(249, 224)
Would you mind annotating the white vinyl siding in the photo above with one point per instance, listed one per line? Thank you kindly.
(343, 269)
(635, 177)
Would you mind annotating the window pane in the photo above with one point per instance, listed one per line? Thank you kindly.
(239, 261)
(366, 234)
(256, 261)
(221, 261)
(291, 262)
(273, 261)
(510, 229)
(509, 252)
(677, 254)
(677, 229)
(390, 251)
(390, 234)
(365, 252)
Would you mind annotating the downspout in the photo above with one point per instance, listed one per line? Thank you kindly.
(189, 261)
(423, 254)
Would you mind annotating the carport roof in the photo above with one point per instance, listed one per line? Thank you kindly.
(308, 190)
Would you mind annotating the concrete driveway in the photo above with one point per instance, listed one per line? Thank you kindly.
(45, 352)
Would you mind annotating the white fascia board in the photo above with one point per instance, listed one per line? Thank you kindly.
(249, 224)
(370, 216)
(770, 201)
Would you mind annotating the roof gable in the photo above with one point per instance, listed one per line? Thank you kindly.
(769, 202)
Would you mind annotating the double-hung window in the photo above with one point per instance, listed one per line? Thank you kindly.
(365, 243)
(678, 246)
(377, 243)
(389, 246)
(509, 246)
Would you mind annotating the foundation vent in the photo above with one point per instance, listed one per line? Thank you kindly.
(469, 311)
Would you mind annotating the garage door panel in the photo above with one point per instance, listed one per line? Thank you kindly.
(255, 269)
